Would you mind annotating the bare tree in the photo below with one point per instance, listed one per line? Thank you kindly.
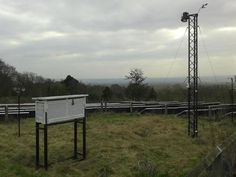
(136, 90)
(136, 76)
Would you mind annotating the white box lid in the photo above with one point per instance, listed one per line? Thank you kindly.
(63, 97)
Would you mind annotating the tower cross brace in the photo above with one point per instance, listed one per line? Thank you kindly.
(193, 75)
(192, 85)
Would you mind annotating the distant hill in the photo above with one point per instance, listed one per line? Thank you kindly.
(154, 81)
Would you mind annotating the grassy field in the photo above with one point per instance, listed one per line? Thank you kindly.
(119, 145)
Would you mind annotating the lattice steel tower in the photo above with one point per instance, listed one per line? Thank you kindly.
(192, 85)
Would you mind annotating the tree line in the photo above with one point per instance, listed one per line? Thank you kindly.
(37, 86)
(136, 90)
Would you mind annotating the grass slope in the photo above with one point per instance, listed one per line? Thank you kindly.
(119, 145)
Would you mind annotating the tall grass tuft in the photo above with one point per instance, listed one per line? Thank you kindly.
(146, 168)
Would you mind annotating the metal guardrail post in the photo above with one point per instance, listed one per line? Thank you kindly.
(6, 112)
(221, 112)
(166, 109)
(105, 106)
(102, 105)
(232, 110)
(131, 107)
(209, 112)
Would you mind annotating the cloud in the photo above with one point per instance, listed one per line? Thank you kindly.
(106, 38)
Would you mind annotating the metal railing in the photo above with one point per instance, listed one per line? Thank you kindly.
(212, 109)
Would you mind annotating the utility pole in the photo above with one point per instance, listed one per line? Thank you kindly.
(192, 85)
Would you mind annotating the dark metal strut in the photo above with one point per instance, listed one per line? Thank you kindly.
(45, 130)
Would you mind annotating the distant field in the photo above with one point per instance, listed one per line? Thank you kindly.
(119, 145)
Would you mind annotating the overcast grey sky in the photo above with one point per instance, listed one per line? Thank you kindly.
(106, 38)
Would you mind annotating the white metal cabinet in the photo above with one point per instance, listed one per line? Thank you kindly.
(59, 108)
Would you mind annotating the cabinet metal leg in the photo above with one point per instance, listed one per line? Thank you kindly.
(37, 145)
(84, 138)
(75, 138)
